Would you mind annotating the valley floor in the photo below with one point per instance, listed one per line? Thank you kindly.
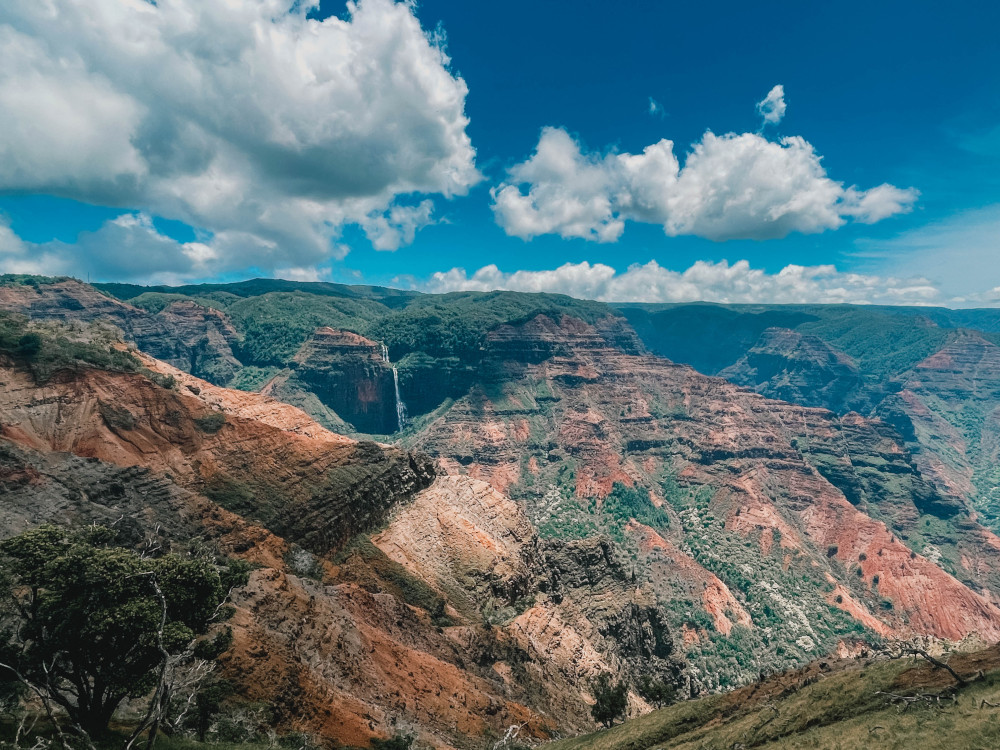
(835, 706)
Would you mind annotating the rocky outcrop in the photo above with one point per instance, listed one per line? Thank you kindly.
(252, 455)
(202, 338)
(350, 375)
(189, 336)
(949, 409)
(479, 550)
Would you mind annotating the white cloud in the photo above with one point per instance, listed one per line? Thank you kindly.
(655, 108)
(245, 119)
(303, 274)
(571, 193)
(772, 107)
(703, 281)
(398, 226)
(733, 186)
(128, 247)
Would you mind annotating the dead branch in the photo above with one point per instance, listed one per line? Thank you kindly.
(936, 663)
(154, 711)
(905, 701)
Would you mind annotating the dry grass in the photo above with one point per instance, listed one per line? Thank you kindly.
(830, 707)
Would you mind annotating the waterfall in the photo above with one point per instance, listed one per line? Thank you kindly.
(400, 406)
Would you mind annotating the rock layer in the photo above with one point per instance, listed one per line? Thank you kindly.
(571, 402)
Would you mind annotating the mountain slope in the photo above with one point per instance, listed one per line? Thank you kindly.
(831, 706)
(591, 438)
(335, 614)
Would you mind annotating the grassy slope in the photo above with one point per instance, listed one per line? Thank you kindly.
(837, 709)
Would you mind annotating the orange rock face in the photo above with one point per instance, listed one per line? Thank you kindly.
(771, 470)
(365, 651)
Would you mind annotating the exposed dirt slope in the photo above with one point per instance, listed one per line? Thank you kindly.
(464, 625)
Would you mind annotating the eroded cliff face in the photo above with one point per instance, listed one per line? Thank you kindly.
(570, 610)
(255, 456)
(342, 661)
(949, 409)
(755, 490)
(384, 601)
(200, 340)
(604, 511)
(802, 369)
(351, 378)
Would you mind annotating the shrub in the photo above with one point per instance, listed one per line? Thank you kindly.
(78, 601)
(399, 742)
(610, 700)
(658, 692)
(164, 381)
(29, 345)
(211, 422)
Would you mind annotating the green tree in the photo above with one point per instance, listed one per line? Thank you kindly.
(610, 700)
(89, 624)
(658, 692)
(208, 704)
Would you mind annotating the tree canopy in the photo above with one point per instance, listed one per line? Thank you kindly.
(87, 624)
(610, 700)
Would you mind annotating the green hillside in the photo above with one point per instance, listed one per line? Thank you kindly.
(904, 704)
(884, 341)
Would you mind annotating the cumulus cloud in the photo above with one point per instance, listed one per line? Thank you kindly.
(571, 193)
(733, 186)
(246, 119)
(398, 226)
(772, 107)
(703, 281)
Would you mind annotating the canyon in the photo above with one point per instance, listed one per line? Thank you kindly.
(560, 501)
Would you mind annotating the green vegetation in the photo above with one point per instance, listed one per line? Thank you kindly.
(610, 700)
(884, 341)
(154, 302)
(252, 378)
(825, 709)
(656, 692)
(626, 503)
(87, 624)
(27, 279)
(275, 325)
(456, 324)
(210, 422)
(786, 600)
(236, 497)
(45, 349)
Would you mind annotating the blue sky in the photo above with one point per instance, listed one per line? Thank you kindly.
(899, 93)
